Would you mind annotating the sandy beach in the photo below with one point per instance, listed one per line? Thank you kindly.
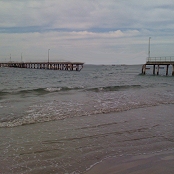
(158, 163)
(130, 142)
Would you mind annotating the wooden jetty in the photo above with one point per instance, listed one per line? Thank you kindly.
(156, 62)
(66, 66)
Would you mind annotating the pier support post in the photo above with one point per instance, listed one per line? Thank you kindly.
(173, 71)
(157, 70)
(144, 69)
(67, 66)
(153, 69)
(167, 69)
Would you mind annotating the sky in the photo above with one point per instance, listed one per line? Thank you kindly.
(88, 31)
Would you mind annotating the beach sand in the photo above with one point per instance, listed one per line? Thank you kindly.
(141, 140)
(159, 163)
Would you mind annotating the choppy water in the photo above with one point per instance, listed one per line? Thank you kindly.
(31, 96)
(52, 121)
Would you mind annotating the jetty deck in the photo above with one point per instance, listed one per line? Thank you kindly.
(157, 63)
(66, 66)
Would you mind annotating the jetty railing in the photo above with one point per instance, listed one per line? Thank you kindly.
(156, 62)
(160, 59)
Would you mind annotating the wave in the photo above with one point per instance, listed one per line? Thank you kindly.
(39, 91)
(42, 91)
(40, 118)
(63, 89)
(114, 88)
(3, 93)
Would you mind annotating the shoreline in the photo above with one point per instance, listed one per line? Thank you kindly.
(156, 163)
(79, 144)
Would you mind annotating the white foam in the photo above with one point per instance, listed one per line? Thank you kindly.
(53, 89)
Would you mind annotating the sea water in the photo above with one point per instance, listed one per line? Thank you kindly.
(64, 121)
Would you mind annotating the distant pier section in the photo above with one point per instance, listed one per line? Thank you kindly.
(158, 63)
(66, 66)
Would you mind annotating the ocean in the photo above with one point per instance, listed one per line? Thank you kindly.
(55, 121)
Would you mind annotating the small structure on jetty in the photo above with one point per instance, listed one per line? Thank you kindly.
(66, 66)
(157, 62)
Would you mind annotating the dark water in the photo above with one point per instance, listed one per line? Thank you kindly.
(63, 122)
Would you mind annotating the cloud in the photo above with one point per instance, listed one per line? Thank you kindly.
(85, 15)
(88, 31)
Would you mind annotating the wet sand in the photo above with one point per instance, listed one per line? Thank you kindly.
(72, 145)
(158, 163)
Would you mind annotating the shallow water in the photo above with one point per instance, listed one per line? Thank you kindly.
(31, 96)
(65, 122)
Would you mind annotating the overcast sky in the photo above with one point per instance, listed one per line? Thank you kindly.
(89, 31)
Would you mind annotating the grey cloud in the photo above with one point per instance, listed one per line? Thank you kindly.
(84, 15)
(86, 28)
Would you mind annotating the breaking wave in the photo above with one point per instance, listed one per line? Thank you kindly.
(43, 115)
(114, 88)
(38, 91)
(42, 91)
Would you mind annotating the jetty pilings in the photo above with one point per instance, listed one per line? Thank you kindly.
(66, 66)
(158, 63)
